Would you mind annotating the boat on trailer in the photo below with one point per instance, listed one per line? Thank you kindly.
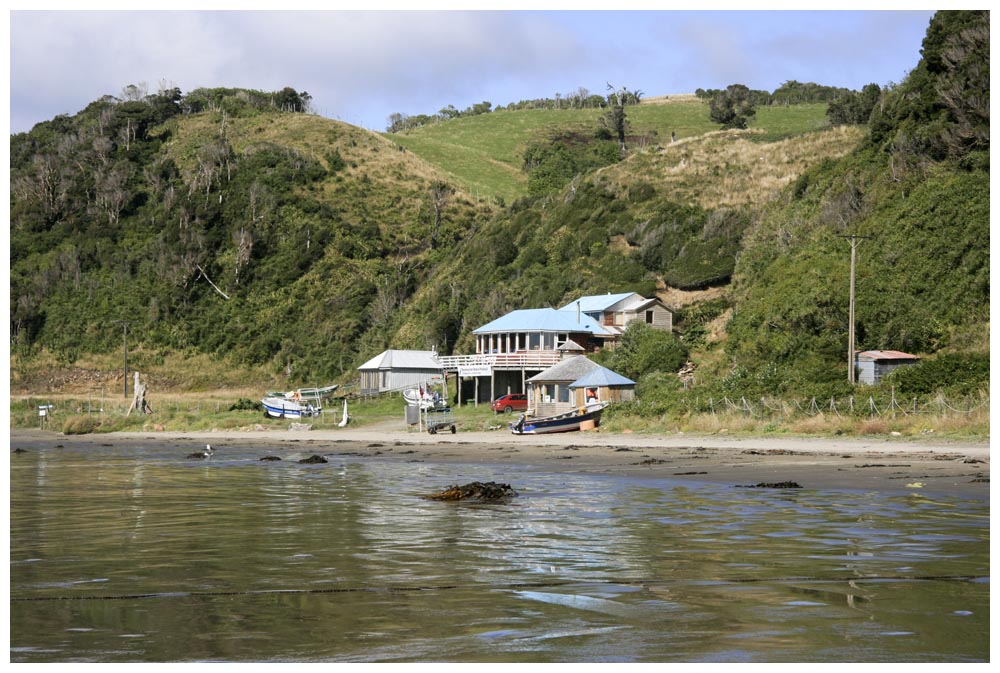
(300, 403)
(564, 422)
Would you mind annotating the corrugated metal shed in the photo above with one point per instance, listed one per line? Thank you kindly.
(873, 366)
(542, 320)
(394, 370)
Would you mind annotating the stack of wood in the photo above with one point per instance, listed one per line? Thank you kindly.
(686, 374)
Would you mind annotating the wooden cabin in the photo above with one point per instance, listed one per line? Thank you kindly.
(602, 385)
(549, 392)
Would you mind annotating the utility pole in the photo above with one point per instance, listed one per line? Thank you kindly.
(124, 324)
(851, 376)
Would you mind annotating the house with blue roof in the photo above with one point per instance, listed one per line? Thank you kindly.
(540, 329)
(525, 342)
(615, 311)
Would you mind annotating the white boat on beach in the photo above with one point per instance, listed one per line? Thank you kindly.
(300, 403)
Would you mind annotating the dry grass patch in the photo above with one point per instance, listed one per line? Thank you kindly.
(728, 169)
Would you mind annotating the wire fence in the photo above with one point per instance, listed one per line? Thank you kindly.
(851, 406)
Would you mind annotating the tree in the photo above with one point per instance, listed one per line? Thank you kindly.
(614, 119)
(854, 107)
(440, 193)
(644, 349)
(733, 107)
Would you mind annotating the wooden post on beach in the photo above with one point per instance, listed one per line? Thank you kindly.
(139, 398)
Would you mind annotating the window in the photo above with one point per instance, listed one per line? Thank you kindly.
(649, 317)
(563, 393)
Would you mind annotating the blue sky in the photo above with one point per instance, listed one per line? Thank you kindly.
(360, 67)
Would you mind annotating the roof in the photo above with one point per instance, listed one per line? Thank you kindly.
(885, 355)
(597, 302)
(542, 320)
(393, 359)
(570, 369)
(602, 376)
(570, 345)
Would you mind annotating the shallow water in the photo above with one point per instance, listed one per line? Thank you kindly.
(134, 553)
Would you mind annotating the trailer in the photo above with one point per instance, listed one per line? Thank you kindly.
(440, 418)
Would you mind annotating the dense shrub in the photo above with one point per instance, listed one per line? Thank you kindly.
(960, 373)
(644, 350)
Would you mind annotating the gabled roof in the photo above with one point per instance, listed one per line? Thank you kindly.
(598, 302)
(571, 345)
(602, 376)
(542, 320)
(393, 359)
(570, 369)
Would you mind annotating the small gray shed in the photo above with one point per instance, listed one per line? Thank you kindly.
(397, 370)
(872, 366)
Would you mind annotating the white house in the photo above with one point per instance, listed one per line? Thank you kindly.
(614, 311)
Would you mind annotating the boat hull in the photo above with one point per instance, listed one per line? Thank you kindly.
(567, 422)
(276, 407)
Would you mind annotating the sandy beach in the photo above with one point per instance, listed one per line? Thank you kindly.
(928, 466)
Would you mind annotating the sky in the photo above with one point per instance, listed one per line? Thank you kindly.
(362, 66)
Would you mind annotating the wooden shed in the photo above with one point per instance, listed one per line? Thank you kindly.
(872, 366)
(397, 370)
(602, 385)
(549, 392)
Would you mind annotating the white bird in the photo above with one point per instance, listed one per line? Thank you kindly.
(207, 453)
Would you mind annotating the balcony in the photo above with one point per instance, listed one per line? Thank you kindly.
(512, 361)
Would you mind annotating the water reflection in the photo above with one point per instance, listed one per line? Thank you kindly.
(135, 554)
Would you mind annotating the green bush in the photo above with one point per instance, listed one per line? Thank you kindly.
(959, 373)
(643, 350)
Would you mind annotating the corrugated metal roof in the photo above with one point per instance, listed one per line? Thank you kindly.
(602, 376)
(885, 355)
(542, 320)
(569, 369)
(393, 359)
(597, 302)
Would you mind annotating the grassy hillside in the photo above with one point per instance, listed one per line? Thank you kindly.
(485, 153)
(285, 246)
(671, 216)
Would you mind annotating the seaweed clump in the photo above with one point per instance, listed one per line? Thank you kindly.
(476, 490)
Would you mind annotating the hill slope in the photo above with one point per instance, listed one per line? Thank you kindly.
(218, 225)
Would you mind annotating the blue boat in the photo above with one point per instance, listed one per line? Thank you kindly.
(565, 422)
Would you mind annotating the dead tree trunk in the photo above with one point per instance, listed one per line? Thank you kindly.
(139, 400)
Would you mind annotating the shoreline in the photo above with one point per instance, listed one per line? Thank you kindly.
(925, 467)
